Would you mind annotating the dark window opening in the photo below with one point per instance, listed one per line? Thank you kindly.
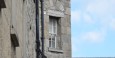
(14, 37)
(2, 4)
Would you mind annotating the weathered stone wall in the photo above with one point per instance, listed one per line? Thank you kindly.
(5, 42)
(24, 20)
(17, 23)
(21, 15)
(29, 29)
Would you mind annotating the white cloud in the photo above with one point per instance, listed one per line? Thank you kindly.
(104, 10)
(98, 7)
(87, 18)
(95, 37)
(108, 23)
(101, 12)
(101, 7)
(112, 24)
(75, 16)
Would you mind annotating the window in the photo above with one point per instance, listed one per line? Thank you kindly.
(55, 42)
(52, 32)
(2, 4)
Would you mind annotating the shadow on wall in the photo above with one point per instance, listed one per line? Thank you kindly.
(0, 11)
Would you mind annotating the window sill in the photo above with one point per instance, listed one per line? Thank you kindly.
(55, 50)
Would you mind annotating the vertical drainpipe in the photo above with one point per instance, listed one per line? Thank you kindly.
(42, 26)
(37, 29)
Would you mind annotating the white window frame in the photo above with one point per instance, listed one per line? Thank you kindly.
(52, 32)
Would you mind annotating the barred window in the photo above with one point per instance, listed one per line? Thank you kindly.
(52, 32)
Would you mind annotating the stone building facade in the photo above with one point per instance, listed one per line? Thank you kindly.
(18, 28)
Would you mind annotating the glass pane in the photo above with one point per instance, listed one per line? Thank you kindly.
(50, 26)
(53, 44)
(49, 42)
(55, 26)
(55, 29)
(53, 41)
(53, 36)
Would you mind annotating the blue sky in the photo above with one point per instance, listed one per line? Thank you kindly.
(93, 28)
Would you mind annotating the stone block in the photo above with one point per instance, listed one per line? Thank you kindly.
(67, 11)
